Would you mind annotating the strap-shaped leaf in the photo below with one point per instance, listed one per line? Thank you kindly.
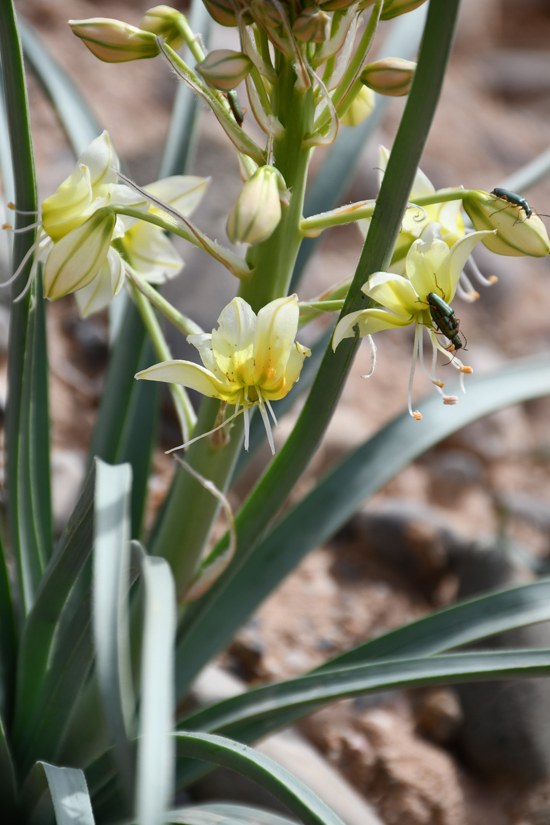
(72, 552)
(334, 177)
(6, 168)
(110, 612)
(76, 117)
(56, 794)
(8, 638)
(225, 814)
(27, 419)
(8, 787)
(155, 760)
(254, 714)
(335, 498)
(261, 769)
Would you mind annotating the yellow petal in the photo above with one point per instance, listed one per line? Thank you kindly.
(368, 322)
(151, 253)
(188, 375)
(183, 192)
(295, 362)
(275, 333)
(394, 292)
(427, 268)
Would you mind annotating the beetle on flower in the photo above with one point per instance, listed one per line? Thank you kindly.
(431, 268)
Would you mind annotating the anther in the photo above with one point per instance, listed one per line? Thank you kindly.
(7, 226)
(450, 400)
(465, 370)
(474, 295)
(417, 415)
(493, 279)
(438, 383)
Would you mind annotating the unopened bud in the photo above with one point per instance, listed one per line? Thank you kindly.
(267, 14)
(114, 41)
(224, 69)
(360, 109)
(338, 5)
(390, 76)
(77, 258)
(312, 26)
(393, 8)
(223, 12)
(257, 211)
(516, 233)
(163, 21)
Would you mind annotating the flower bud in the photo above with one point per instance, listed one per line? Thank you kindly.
(257, 211)
(114, 41)
(391, 76)
(224, 12)
(224, 69)
(516, 233)
(163, 21)
(360, 109)
(77, 258)
(312, 26)
(393, 8)
(338, 5)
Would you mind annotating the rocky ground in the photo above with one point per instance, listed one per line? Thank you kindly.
(444, 526)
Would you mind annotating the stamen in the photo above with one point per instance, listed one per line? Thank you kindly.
(467, 285)
(21, 266)
(490, 281)
(267, 425)
(438, 384)
(27, 228)
(203, 435)
(415, 414)
(17, 211)
(469, 297)
(246, 419)
(372, 357)
(273, 416)
(27, 285)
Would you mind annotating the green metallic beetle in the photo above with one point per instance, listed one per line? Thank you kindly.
(445, 320)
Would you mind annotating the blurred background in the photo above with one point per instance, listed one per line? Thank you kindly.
(470, 515)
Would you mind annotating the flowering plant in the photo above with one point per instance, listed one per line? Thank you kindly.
(101, 635)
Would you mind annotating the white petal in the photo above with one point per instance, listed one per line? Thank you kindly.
(203, 342)
(151, 253)
(99, 157)
(233, 341)
(183, 192)
(459, 256)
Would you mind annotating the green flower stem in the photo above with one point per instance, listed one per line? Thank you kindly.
(190, 39)
(234, 264)
(186, 523)
(191, 511)
(197, 640)
(350, 79)
(443, 197)
(184, 408)
(273, 260)
(260, 88)
(345, 214)
(185, 325)
(331, 62)
(241, 140)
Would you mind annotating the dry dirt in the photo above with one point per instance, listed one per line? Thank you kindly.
(397, 748)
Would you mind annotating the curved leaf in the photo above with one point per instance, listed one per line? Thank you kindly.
(336, 497)
(155, 760)
(8, 786)
(261, 769)
(56, 792)
(225, 814)
(110, 612)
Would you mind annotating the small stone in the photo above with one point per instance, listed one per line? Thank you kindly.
(439, 715)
